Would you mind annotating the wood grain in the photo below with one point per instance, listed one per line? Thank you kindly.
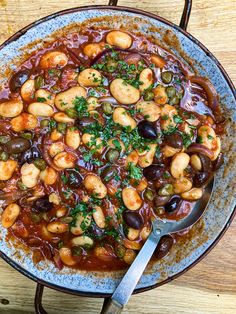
(209, 287)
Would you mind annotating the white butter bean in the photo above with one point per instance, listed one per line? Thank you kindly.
(82, 222)
(49, 176)
(88, 139)
(123, 92)
(64, 160)
(11, 108)
(210, 140)
(103, 254)
(192, 195)
(66, 256)
(132, 234)
(119, 39)
(82, 241)
(64, 100)
(10, 215)
(147, 159)
(146, 77)
(167, 117)
(54, 198)
(182, 185)
(55, 135)
(160, 95)
(92, 50)
(39, 109)
(121, 117)
(149, 110)
(72, 138)
(56, 148)
(27, 90)
(53, 59)
(61, 212)
(169, 151)
(45, 96)
(131, 198)
(142, 185)
(94, 186)
(29, 175)
(92, 103)
(132, 157)
(145, 232)
(7, 169)
(129, 256)
(179, 162)
(89, 77)
(62, 117)
(217, 149)
(57, 227)
(195, 162)
(99, 217)
(25, 121)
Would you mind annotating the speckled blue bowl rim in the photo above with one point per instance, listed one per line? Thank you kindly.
(229, 84)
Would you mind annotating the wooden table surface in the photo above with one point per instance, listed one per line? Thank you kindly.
(209, 287)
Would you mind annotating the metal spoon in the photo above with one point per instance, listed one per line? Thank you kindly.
(160, 228)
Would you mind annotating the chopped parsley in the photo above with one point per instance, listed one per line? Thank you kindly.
(81, 106)
(177, 119)
(52, 124)
(210, 137)
(64, 178)
(134, 172)
(199, 139)
(81, 208)
(41, 99)
(186, 139)
(117, 144)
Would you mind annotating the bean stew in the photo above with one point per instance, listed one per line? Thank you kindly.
(102, 131)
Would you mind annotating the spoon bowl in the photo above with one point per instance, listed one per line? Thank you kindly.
(162, 227)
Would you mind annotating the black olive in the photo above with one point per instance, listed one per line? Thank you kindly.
(108, 173)
(164, 246)
(18, 79)
(206, 162)
(201, 179)
(173, 204)
(42, 204)
(153, 172)
(218, 162)
(74, 178)
(174, 140)
(133, 219)
(83, 123)
(147, 129)
(17, 145)
(96, 231)
(161, 200)
(30, 155)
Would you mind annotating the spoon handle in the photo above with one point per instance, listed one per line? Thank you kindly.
(127, 285)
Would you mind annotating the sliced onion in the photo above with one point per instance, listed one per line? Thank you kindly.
(109, 99)
(44, 150)
(7, 198)
(212, 95)
(133, 58)
(58, 261)
(199, 148)
(106, 51)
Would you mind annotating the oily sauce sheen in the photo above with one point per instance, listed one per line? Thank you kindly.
(101, 132)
